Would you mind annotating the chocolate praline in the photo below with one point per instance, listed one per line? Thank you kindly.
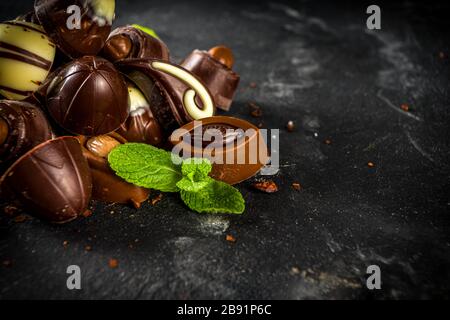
(130, 42)
(51, 181)
(59, 19)
(88, 97)
(22, 126)
(235, 147)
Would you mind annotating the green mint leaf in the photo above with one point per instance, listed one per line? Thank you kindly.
(145, 166)
(186, 184)
(215, 197)
(196, 169)
(147, 31)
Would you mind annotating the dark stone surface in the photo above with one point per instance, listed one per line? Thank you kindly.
(316, 64)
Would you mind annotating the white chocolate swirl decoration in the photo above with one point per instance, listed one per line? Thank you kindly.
(197, 88)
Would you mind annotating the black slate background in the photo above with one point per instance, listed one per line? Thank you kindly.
(314, 63)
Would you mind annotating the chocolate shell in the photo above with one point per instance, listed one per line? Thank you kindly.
(26, 57)
(175, 95)
(22, 126)
(107, 186)
(129, 42)
(88, 97)
(77, 38)
(52, 181)
(214, 69)
(235, 147)
(141, 126)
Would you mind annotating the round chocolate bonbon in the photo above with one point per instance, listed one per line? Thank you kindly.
(130, 42)
(22, 126)
(26, 57)
(51, 181)
(88, 97)
(78, 27)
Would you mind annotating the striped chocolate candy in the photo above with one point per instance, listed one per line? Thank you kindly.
(26, 56)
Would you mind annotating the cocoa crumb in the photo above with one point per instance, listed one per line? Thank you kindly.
(297, 186)
(252, 85)
(370, 164)
(290, 126)
(295, 270)
(327, 142)
(404, 107)
(20, 218)
(255, 110)
(156, 199)
(87, 213)
(267, 186)
(10, 210)
(113, 263)
(230, 238)
(65, 243)
(88, 248)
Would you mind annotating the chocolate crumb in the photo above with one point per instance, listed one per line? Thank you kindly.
(370, 164)
(7, 263)
(255, 110)
(327, 141)
(441, 55)
(267, 186)
(10, 210)
(295, 270)
(65, 243)
(404, 107)
(230, 238)
(20, 218)
(87, 213)
(297, 186)
(88, 248)
(290, 126)
(157, 199)
(113, 263)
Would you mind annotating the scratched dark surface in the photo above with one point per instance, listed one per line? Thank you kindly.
(314, 63)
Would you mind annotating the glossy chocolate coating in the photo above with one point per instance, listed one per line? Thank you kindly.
(107, 186)
(129, 42)
(141, 125)
(88, 97)
(95, 25)
(239, 144)
(165, 92)
(22, 126)
(26, 57)
(213, 69)
(52, 181)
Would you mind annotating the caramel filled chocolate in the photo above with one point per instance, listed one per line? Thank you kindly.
(88, 97)
(22, 126)
(129, 42)
(52, 181)
(107, 186)
(214, 69)
(141, 125)
(78, 27)
(235, 147)
(175, 95)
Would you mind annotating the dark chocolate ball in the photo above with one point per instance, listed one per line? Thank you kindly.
(88, 97)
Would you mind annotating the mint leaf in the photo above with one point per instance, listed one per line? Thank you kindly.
(186, 184)
(196, 169)
(145, 166)
(148, 31)
(215, 197)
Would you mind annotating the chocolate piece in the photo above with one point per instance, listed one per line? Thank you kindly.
(130, 42)
(88, 97)
(214, 69)
(22, 126)
(235, 147)
(26, 57)
(141, 125)
(77, 38)
(107, 186)
(52, 181)
(175, 95)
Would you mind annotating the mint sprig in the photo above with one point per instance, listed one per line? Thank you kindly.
(153, 168)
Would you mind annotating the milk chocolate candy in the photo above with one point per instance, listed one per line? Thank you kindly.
(130, 42)
(78, 27)
(26, 57)
(175, 95)
(214, 69)
(235, 147)
(22, 126)
(141, 125)
(107, 186)
(51, 181)
(88, 97)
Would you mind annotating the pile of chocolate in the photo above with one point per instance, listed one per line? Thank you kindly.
(73, 90)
